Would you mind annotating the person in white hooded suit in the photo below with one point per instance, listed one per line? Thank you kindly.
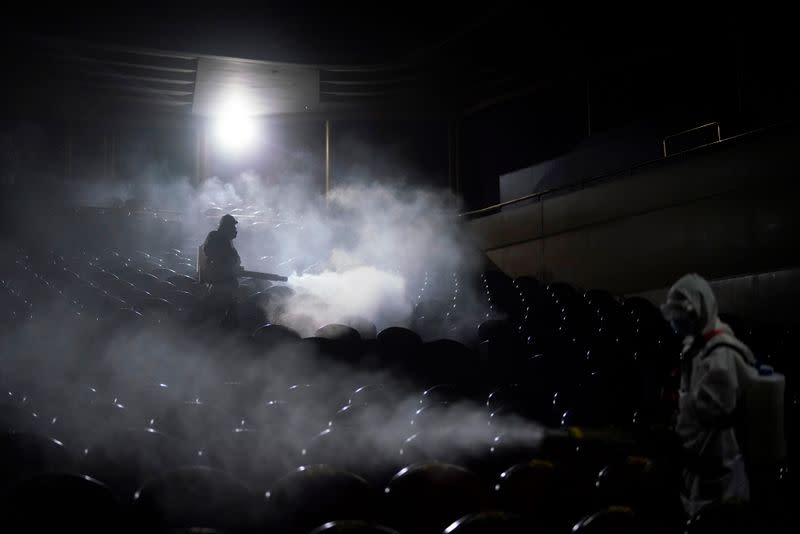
(712, 378)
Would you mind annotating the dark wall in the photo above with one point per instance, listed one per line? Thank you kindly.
(399, 153)
(30, 150)
(723, 211)
(511, 135)
(140, 151)
(661, 75)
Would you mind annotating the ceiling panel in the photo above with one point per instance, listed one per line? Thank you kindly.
(266, 88)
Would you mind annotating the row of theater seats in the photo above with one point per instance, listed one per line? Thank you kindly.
(547, 494)
(95, 284)
(226, 455)
(422, 498)
(592, 332)
(585, 360)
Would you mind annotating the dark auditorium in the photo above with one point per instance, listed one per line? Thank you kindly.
(399, 268)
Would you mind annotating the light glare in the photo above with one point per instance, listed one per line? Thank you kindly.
(235, 129)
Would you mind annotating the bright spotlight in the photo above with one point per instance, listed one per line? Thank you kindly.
(235, 129)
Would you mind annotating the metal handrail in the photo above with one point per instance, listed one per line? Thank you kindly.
(584, 183)
(508, 202)
(664, 141)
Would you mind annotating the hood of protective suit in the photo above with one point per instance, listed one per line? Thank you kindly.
(695, 289)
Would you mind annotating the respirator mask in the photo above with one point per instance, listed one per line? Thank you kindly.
(682, 317)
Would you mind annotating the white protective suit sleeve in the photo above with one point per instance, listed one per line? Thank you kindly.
(714, 388)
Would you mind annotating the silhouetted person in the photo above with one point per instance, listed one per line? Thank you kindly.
(221, 267)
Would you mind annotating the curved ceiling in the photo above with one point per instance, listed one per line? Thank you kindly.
(331, 33)
(402, 59)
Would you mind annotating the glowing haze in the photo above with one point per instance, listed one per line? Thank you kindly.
(235, 128)
(365, 251)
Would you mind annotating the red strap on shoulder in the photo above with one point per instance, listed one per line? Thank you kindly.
(713, 333)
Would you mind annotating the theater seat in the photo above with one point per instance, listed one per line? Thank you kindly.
(18, 418)
(728, 519)
(504, 450)
(491, 523)
(62, 503)
(143, 280)
(352, 527)
(163, 273)
(303, 394)
(182, 299)
(365, 327)
(615, 520)
(423, 447)
(258, 458)
(344, 342)
(446, 360)
(429, 417)
(495, 329)
(271, 336)
(351, 449)
(267, 414)
(27, 455)
(528, 284)
(637, 482)
(250, 315)
(185, 268)
(338, 343)
(398, 349)
(371, 394)
(125, 459)
(156, 309)
(104, 414)
(357, 416)
(198, 497)
(313, 495)
(196, 421)
(441, 394)
(117, 286)
(535, 489)
(529, 400)
(339, 332)
(278, 293)
(426, 498)
(12, 308)
(185, 283)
